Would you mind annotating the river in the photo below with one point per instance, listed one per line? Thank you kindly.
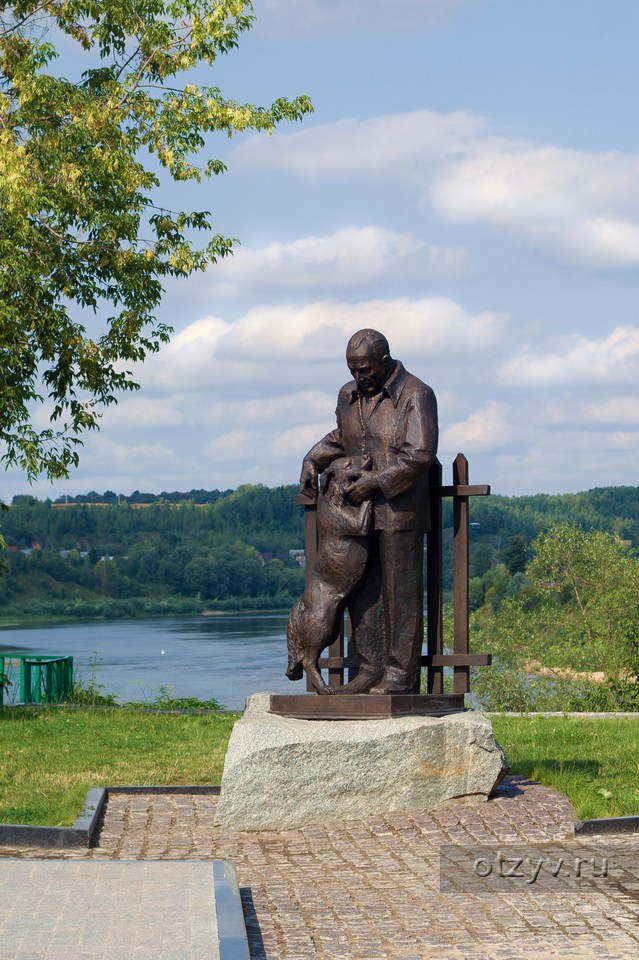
(227, 656)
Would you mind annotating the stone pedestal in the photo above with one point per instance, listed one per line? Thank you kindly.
(282, 773)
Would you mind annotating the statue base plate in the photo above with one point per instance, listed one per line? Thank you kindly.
(365, 706)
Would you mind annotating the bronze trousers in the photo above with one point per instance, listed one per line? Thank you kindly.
(393, 590)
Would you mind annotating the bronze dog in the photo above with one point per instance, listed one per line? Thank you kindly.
(342, 557)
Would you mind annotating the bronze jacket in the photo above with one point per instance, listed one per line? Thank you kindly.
(397, 428)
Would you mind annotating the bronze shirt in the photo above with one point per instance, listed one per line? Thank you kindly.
(397, 428)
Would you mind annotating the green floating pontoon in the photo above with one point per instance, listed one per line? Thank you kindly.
(36, 678)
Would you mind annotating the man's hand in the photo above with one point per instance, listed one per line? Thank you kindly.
(308, 479)
(362, 488)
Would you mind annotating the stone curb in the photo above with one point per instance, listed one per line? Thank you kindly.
(79, 835)
(591, 715)
(606, 825)
(207, 788)
(231, 928)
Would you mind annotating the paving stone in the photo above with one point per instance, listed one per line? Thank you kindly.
(106, 910)
(369, 889)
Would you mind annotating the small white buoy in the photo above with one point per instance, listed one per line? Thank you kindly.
(161, 653)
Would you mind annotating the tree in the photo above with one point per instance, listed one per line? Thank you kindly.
(574, 615)
(515, 554)
(80, 232)
(592, 580)
(482, 558)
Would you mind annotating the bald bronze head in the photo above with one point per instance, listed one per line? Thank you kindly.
(368, 358)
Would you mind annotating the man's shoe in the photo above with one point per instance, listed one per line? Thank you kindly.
(391, 686)
(362, 683)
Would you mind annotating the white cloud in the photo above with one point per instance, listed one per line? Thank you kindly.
(485, 429)
(577, 360)
(581, 206)
(602, 414)
(121, 462)
(185, 360)
(574, 459)
(613, 411)
(235, 446)
(279, 351)
(349, 260)
(140, 411)
(229, 402)
(300, 438)
(241, 401)
(307, 404)
(571, 205)
(529, 420)
(505, 180)
(355, 147)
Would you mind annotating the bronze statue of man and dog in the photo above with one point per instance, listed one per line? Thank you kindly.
(372, 514)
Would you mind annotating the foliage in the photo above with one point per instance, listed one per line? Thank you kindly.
(125, 560)
(176, 553)
(81, 234)
(497, 518)
(509, 686)
(574, 615)
(515, 554)
(88, 692)
(594, 762)
(165, 699)
(589, 588)
(49, 758)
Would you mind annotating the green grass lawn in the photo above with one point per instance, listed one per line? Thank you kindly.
(595, 763)
(49, 758)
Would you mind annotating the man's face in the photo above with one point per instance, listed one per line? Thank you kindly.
(368, 370)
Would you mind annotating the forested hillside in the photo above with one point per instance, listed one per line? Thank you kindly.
(118, 556)
(110, 555)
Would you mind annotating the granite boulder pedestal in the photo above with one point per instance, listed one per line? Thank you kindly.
(281, 773)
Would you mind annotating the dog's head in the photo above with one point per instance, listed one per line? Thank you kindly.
(342, 471)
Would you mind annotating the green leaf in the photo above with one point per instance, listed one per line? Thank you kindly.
(81, 236)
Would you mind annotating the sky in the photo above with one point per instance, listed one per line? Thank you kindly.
(469, 185)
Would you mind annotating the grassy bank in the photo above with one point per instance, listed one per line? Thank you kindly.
(595, 763)
(49, 758)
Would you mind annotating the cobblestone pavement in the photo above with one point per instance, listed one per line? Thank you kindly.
(416, 885)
